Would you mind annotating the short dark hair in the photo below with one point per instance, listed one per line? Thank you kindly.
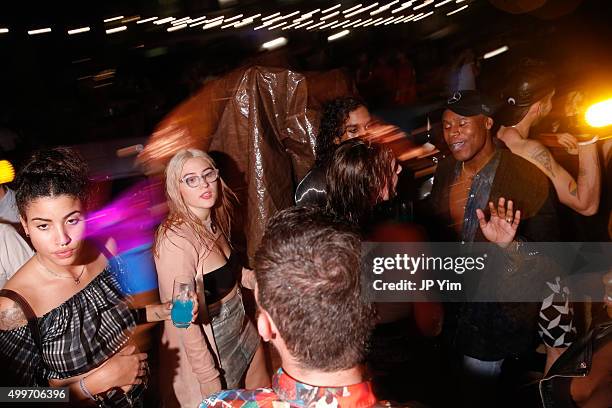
(331, 126)
(52, 172)
(309, 282)
(356, 176)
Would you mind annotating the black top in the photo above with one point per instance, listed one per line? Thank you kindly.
(220, 282)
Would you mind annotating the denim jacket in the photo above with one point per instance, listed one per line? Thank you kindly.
(506, 175)
(493, 331)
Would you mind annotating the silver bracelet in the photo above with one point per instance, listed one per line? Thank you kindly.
(85, 390)
(588, 142)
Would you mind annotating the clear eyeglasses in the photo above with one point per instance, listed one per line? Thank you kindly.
(195, 181)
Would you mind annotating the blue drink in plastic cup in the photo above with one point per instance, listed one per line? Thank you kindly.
(182, 313)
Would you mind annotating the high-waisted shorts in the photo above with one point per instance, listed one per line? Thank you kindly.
(236, 339)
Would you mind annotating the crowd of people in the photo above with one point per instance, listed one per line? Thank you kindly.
(65, 321)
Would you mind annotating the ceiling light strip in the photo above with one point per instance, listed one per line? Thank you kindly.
(352, 8)
(423, 16)
(330, 9)
(146, 20)
(361, 10)
(79, 30)
(108, 20)
(338, 35)
(425, 4)
(116, 29)
(458, 10)
(315, 26)
(271, 16)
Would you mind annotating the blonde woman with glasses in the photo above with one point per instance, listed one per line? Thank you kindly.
(222, 349)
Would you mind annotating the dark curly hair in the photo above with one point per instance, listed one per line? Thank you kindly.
(52, 172)
(356, 176)
(331, 127)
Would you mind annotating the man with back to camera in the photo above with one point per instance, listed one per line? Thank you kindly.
(479, 173)
(310, 308)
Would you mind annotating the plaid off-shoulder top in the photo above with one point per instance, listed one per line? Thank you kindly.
(77, 336)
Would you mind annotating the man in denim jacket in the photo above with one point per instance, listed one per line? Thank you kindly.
(519, 204)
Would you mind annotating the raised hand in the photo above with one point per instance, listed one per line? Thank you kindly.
(503, 223)
(569, 142)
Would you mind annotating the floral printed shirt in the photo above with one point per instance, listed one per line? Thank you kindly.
(287, 392)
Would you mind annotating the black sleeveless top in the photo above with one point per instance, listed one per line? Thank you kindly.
(220, 282)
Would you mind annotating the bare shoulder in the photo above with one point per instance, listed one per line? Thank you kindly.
(532, 144)
(506, 132)
(27, 282)
(11, 315)
(510, 136)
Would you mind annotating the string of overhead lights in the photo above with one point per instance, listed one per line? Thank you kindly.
(360, 15)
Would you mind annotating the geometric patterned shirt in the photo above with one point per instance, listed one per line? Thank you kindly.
(287, 392)
(556, 320)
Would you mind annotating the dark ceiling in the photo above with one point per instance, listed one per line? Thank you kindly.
(63, 88)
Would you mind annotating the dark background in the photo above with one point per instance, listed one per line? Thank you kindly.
(60, 89)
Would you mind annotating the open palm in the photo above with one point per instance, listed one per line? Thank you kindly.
(503, 223)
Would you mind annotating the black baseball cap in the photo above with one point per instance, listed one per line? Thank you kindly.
(469, 103)
(528, 84)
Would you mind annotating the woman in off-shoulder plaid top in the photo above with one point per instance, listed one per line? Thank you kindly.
(64, 320)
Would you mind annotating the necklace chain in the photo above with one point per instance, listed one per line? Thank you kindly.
(471, 176)
(76, 280)
(211, 226)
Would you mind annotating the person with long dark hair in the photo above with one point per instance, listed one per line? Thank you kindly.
(360, 176)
